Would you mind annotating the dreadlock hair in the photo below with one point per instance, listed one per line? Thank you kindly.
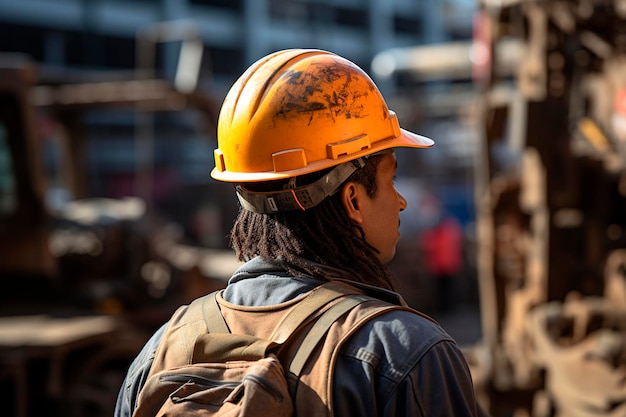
(323, 234)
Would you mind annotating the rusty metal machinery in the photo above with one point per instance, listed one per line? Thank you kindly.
(85, 283)
(551, 209)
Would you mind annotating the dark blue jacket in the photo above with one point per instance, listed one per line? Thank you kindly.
(398, 364)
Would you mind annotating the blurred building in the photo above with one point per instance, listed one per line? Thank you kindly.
(102, 33)
(164, 157)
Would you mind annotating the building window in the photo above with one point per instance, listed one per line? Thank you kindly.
(351, 17)
(235, 5)
(407, 25)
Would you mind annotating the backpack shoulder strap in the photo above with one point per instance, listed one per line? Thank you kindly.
(311, 371)
(213, 318)
(319, 330)
(308, 310)
(304, 311)
(177, 343)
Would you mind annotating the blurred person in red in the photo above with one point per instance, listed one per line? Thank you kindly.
(442, 254)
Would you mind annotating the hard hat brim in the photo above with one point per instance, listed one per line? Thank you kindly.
(406, 139)
(413, 140)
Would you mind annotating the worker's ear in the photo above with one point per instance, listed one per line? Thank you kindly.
(351, 195)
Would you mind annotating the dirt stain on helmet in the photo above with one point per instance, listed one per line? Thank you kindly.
(321, 91)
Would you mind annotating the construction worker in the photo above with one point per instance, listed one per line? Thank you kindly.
(308, 141)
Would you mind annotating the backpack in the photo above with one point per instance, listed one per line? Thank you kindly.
(214, 360)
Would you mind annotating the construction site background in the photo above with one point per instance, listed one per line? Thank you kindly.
(109, 220)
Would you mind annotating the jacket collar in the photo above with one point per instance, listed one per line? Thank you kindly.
(268, 276)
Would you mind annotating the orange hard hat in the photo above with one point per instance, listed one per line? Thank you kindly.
(299, 111)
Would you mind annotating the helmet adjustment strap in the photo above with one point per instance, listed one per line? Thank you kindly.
(298, 198)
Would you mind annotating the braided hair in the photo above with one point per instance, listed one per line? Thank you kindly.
(323, 234)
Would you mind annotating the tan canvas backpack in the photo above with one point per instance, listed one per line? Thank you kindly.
(215, 360)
